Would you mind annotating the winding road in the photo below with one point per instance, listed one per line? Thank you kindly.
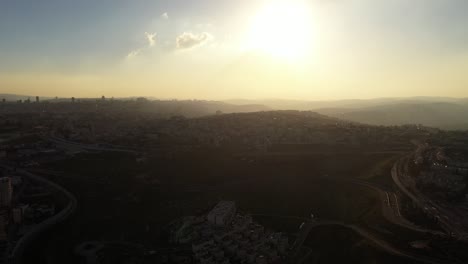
(390, 210)
(17, 253)
(379, 243)
(444, 216)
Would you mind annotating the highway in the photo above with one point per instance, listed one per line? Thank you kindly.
(16, 255)
(390, 204)
(390, 210)
(72, 144)
(379, 243)
(447, 219)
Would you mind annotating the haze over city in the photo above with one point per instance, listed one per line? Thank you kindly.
(233, 132)
(297, 49)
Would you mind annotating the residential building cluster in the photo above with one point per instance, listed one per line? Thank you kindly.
(227, 236)
(441, 174)
(139, 123)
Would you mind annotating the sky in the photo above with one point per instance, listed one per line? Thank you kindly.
(223, 49)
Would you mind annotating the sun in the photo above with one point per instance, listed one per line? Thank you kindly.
(281, 29)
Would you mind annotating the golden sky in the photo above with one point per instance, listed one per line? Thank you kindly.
(296, 49)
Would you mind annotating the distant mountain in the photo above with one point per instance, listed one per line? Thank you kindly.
(303, 105)
(443, 115)
(440, 112)
(277, 104)
(198, 108)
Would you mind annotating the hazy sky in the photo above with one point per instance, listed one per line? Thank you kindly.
(221, 49)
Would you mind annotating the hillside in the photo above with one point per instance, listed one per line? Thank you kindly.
(442, 115)
(440, 112)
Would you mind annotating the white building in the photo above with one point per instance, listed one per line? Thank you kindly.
(222, 213)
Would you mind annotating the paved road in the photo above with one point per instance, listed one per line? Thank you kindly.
(390, 204)
(390, 210)
(379, 243)
(16, 256)
(72, 144)
(445, 217)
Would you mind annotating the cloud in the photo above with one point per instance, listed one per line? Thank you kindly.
(165, 16)
(133, 54)
(150, 37)
(189, 40)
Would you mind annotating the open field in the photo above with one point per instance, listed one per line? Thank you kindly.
(335, 244)
(122, 199)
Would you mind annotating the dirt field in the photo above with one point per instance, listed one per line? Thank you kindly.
(121, 199)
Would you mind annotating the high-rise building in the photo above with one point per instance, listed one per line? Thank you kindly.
(73, 99)
(6, 192)
(37, 99)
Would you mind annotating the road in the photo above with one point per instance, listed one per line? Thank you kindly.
(72, 144)
(390, 210)
(16, 255)
(446, 218)
(390, 204)
(379, 243)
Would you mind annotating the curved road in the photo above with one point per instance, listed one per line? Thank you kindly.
(396, 219)
(382, 244)
(391, 213)
(400, 173)
(16, 256)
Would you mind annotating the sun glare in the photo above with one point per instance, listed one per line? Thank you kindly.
(282, 28)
